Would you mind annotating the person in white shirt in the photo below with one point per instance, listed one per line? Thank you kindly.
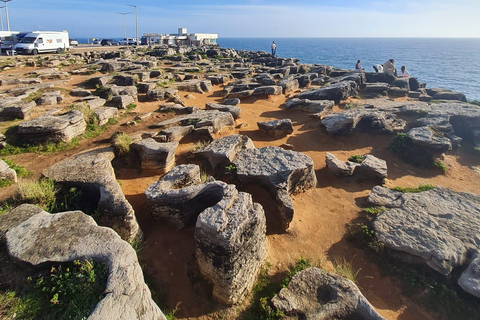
(389, 68)
(274, 49)
(404, 72)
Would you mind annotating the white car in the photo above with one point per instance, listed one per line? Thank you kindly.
(73, 42)
(127, 42)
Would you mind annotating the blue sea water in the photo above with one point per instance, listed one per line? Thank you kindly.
(448, 63)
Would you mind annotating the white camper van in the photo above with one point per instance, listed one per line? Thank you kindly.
(43, 41)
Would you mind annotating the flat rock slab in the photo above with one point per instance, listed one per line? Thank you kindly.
(281, 172)
(50, 128)
(93, 170)
(310, 106)
(200, 86)
(233, 110)
(370, 166)
(173, 134)
(276, 128)
(156, 155)
(201, 119)
(103, 114)
(222, 151)
(438, 228)
(336, 92)
(317, 295)
(75, 236)
(17, 109)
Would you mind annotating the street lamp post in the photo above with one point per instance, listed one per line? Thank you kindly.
(124, 28)
(1, 21)
(6, 13)
(136, 22)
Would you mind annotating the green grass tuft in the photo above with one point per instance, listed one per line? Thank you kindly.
(356, 158)
(420, 188)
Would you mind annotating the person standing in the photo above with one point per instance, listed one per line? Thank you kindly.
(274, 49)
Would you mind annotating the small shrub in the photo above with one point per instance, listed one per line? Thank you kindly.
(41, 193)
(131, 106)
(356, 158)
(121, 143)
(112, 121)
(350, 106)
(88, 114)
(104, 92)
(375, 211)
(231, 168)
(420, 188)
(400, 143)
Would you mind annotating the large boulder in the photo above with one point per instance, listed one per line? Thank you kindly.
(50, 128)
(276, 128)
(75, 236)
(316, 294)
(215, 119)
(336, 92)
(200, 86)
(312, 106)
(338, 167)
(438, 228)
(222, 151)
(92, 171)
(231, 244)
(370, 166)
(16, 109)
(155, 155)
(234, 110)
(281, 172)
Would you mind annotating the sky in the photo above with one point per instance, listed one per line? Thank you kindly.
(250, 18)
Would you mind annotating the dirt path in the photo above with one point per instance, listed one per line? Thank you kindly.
(319, 228)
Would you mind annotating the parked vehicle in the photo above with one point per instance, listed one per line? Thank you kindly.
(8, 39)
(73, 42)
(128, 42)
(109, 42)
(95, 41)
(132, 42)
(145, 41)
(43, 41)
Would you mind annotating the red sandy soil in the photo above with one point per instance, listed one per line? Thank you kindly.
(319, 228)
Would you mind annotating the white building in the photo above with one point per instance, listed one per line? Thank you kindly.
(183, 38)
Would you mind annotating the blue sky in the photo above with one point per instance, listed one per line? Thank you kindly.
(252, 18)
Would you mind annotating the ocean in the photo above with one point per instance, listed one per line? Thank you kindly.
(447, 63)
(439, 62)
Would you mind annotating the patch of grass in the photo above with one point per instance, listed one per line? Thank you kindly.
(200, 145)
(104, 92)
(300, 265)
(112, 121)
(357, 96)
(121, 143)
(357, 158)
(5, 183)
(350, 106)
(440, 165)
(345, 269)
(400, 143)
(189, 122)
(131, 106)
(34, 96)
(5, 207)
(41, 193)
(87, 113)
(64, 291)
(418, 156)
(420, 188)
(374, 211)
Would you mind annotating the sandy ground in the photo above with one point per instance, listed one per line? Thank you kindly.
(319, 228)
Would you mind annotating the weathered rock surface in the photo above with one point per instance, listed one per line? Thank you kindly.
(104, 113)
(73, 236)
(222, 151)
(78, 92)
(370, 166)
(311, 106)
(155, 155)
(436, 227)
(200, 86)
(336, 92)
(281, 172)
(230, 244)
(122, 102)
(233, 110)
(215, 119)
(339, 167)
(50, 128)
(317, 295)
(50, 98)
(16, 109)
(7, 173)
(430, 138)
(173, 134)
(92, 171)
(276, 128)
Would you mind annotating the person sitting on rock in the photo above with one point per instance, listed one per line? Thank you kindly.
(378, 68)
(358, 66)
(404, 72)
(389, 68)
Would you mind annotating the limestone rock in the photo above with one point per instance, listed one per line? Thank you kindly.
(73, 236)
(372, 165)
(155, 155)
(155, 95)
(201, 119)
(317, 295)
(266, 91)
(50, 128)
(80, 92)
(281, 172)
(50, 98)
(200, 86)
(7, 173)
(93, 170)
(437, 228)
(339, 167)
(276, 128)
(222, 151)
(104, 113)
(336, 92)
(234, 110)
(230, 244)
(17, 109)
(121, 102)
(94, 102)
(311, 106)
(173, 134)
(429, 138)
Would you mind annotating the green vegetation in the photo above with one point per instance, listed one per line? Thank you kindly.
(41, 193)
(420, 188)
(21, 171)
(104, 92)
(300, 265)
(131, 106)
(351, 105)
(189, 122)
(121, 143)
(375, 211)
(165, 83)
(345, 269)
(5, 183)
(231, 168)
(356, 158)
(440, 165)
(64, 291)
(404, 148)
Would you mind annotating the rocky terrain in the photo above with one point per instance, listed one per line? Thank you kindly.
(228, 167)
